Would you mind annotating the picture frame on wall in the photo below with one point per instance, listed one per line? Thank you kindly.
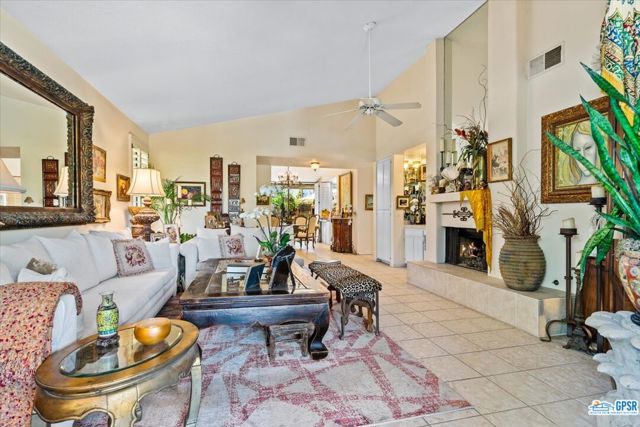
(500, 166)
(193, 191)
(172, 231)
(344, 191)
(263, 200)
(122, 186)
(402, 202)
(102, 205)
(99, 164)
(564, 180)
(368, 202)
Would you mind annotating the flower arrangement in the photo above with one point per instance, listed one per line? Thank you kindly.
(273, 240)
(472, 140)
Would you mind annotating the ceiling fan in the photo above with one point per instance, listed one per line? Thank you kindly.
(371, 106)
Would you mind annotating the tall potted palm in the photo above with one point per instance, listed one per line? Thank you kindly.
(621, 180)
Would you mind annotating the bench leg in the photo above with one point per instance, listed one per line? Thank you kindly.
(377, 308)
(272, 347)
(344, 316)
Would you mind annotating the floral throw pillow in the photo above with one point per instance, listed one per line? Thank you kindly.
(132, 257)
(232, 246)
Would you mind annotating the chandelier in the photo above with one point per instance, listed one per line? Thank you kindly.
(288, 178)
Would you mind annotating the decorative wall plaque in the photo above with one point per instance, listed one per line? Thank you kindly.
(49, 182)
(234, 189)
(217, 182)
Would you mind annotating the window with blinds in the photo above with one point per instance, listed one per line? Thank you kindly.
(139, 160)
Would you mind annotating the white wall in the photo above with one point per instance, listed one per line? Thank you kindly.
(185, 153)
(110, 127)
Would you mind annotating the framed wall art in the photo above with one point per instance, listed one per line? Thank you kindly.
(192, 191)
(216, 179)
(402, 202)
(122, 186)
(344, 191)
(368, 202)
(102, 205)
(499, 161)
(263, 200)
(99, 164)
(564, 180)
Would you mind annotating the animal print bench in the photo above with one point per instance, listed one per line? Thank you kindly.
(353, 289)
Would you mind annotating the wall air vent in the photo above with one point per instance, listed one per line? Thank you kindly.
(551, 58)
(297, 142)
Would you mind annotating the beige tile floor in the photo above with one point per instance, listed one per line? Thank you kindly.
(510, 377)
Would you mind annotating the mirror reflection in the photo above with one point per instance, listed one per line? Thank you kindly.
(35, 148)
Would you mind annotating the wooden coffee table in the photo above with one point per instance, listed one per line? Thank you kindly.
(82, 378)
(208, 302)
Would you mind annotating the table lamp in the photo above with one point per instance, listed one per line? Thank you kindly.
(62, 189)
(146, 183)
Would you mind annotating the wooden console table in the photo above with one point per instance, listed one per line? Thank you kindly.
(341, 228)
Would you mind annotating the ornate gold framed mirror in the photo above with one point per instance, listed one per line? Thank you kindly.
(46, 175)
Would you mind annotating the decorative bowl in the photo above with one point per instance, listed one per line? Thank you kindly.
(152, 331)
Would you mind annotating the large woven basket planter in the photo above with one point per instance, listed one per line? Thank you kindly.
(522, 263)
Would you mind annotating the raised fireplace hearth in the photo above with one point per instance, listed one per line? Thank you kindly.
(464, 247)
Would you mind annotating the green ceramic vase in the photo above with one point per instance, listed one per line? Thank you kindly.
(108, 316)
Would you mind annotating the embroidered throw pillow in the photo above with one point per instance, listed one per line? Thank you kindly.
(41, 266)
(132, 257)
(232, 246)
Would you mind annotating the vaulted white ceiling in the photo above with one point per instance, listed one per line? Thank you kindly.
(178, 64)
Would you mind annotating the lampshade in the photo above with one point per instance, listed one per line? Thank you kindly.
(315, 165)
(62, 189)
(8, 182)
(146, 182)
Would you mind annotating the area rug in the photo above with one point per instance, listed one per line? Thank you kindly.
(366, 379)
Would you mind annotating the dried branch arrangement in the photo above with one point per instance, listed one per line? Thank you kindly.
(523, 217)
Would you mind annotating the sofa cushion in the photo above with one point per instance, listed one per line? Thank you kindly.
(251, 245)
(102, 251)
(60, 275)
(131, 293)
(208, 248)
(232, 246)
(132, 257)
(113, 235)
(16, 256)
(5, 275)
(160, 252)
(73, 253)
(211, 233)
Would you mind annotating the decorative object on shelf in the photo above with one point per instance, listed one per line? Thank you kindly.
(62, 189)
(315, 165)
(123, 183)
(402, 202)
(564, 179)
(28, 200)
(191, 193)
(368, 202)
(344, 191)
(480, 201)
(621, 362)
(102, 204)
(499, 158)
(107, 319)
(152, 331)
(620, 176)
(49, 182)
(146, 183)
(522, 262)
(263, 200)
(216, 180)
(234, 207)
(172, 231)
(99, 164)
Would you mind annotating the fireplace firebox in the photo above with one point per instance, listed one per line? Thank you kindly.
(464, 247)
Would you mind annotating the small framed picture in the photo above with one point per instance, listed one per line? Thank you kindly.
(99, 164)
(172, 231)
(422, 176)
(192, 191)
(157, 236)
(262, 200)
(368, 202)
(402, 202)
(122, 186)
(499, 159)
(102, 205)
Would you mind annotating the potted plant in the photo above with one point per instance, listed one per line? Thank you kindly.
(522, 263)
(621, 180)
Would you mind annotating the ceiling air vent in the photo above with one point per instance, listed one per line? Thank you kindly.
(547, 60)
(298, 142)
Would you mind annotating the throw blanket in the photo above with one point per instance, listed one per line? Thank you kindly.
(26, 320)
(480, 201)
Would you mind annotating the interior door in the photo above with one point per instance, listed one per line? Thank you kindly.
(383, 210)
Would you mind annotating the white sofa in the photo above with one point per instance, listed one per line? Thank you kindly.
(88, 260)
(206, 246)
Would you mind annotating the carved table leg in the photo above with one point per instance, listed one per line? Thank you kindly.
(121, 407)
(196, 391)
(317, 349)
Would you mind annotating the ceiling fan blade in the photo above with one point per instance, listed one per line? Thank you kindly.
(342, 112)
(355, 120)
(402, 106)
(388, 118)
